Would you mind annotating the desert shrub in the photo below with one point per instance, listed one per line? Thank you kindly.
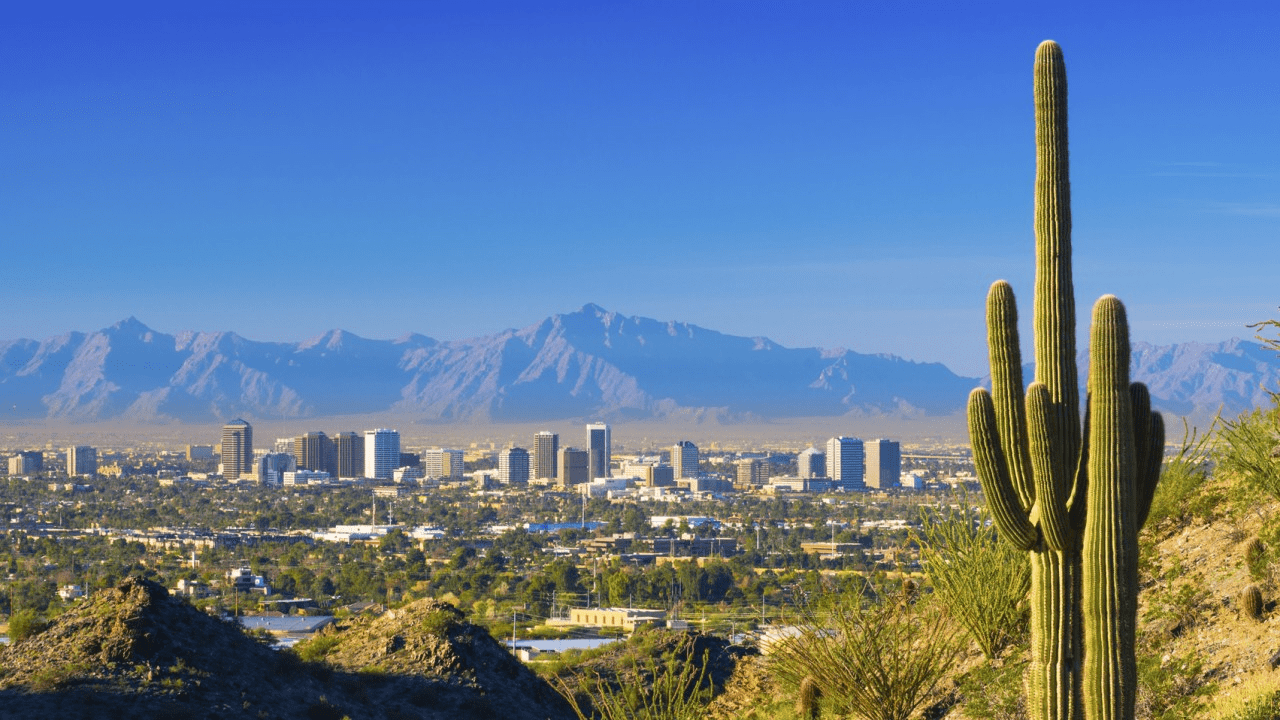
(25, 624)
(317, 648)
(1182, 493)
(1171, 688)
(1248, 448)
(1177, 602)
(982, 580)
(441, 622)
(679, 691)
(878, 658)
(994, 690)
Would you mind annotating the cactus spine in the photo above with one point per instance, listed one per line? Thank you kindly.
(1038, 467)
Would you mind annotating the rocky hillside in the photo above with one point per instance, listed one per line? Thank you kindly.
(137, 652)
(461, 669)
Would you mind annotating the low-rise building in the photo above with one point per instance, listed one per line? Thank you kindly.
(626, 618)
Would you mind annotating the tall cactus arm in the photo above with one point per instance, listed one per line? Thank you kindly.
(1051, 505)
(1148, 436)
(1055, 311)
(1109, 554)
(993, 471)
(1055, 294)
(1006, 387)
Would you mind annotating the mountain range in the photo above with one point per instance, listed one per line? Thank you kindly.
(591, 363)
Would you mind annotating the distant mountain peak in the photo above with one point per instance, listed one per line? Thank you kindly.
(131, 324)
(589, 363)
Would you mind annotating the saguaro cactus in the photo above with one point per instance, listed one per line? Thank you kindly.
(1038, 467)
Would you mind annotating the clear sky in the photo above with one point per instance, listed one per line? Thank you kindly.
(842, 173)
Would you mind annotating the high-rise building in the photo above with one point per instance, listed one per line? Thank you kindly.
(315, 451)
(846, 463)
(348, 448)
(513, 466)
(884, 464)
(26, 462)
(684, 459)
(650, 474)
(82, 460)
(197, 453)
(271, 467)
(237, 449)
(600, 447)
(811, 463)
(546, 447)
(575, 467)
(381, 453)
(751, 472)
(442, 463)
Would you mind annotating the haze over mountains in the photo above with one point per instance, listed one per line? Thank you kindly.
(591, 363)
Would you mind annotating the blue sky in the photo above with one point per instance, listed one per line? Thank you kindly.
(823, 173)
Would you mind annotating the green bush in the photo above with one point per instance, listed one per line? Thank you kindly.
(317, 648)
(441, 622)
(1247, 448)
(1172, 688)
(994, 691)
(982, 581)
(24, 625)
(1182, 494)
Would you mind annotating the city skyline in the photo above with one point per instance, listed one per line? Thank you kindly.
(868, 163)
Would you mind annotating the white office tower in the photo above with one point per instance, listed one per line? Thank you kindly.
(884, 464)
(846, 463)
(600, 447)
(381, 453)
(442, 463)
(82, 461)
(811, 463)
(513, 466)
(684, 459)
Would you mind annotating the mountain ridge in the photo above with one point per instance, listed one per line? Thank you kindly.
(590, 363)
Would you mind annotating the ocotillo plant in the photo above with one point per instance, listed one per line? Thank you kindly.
(1039, 467)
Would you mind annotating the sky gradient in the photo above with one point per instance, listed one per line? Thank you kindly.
(849, 174)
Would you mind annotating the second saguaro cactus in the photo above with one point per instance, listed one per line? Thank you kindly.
(1071, 494)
